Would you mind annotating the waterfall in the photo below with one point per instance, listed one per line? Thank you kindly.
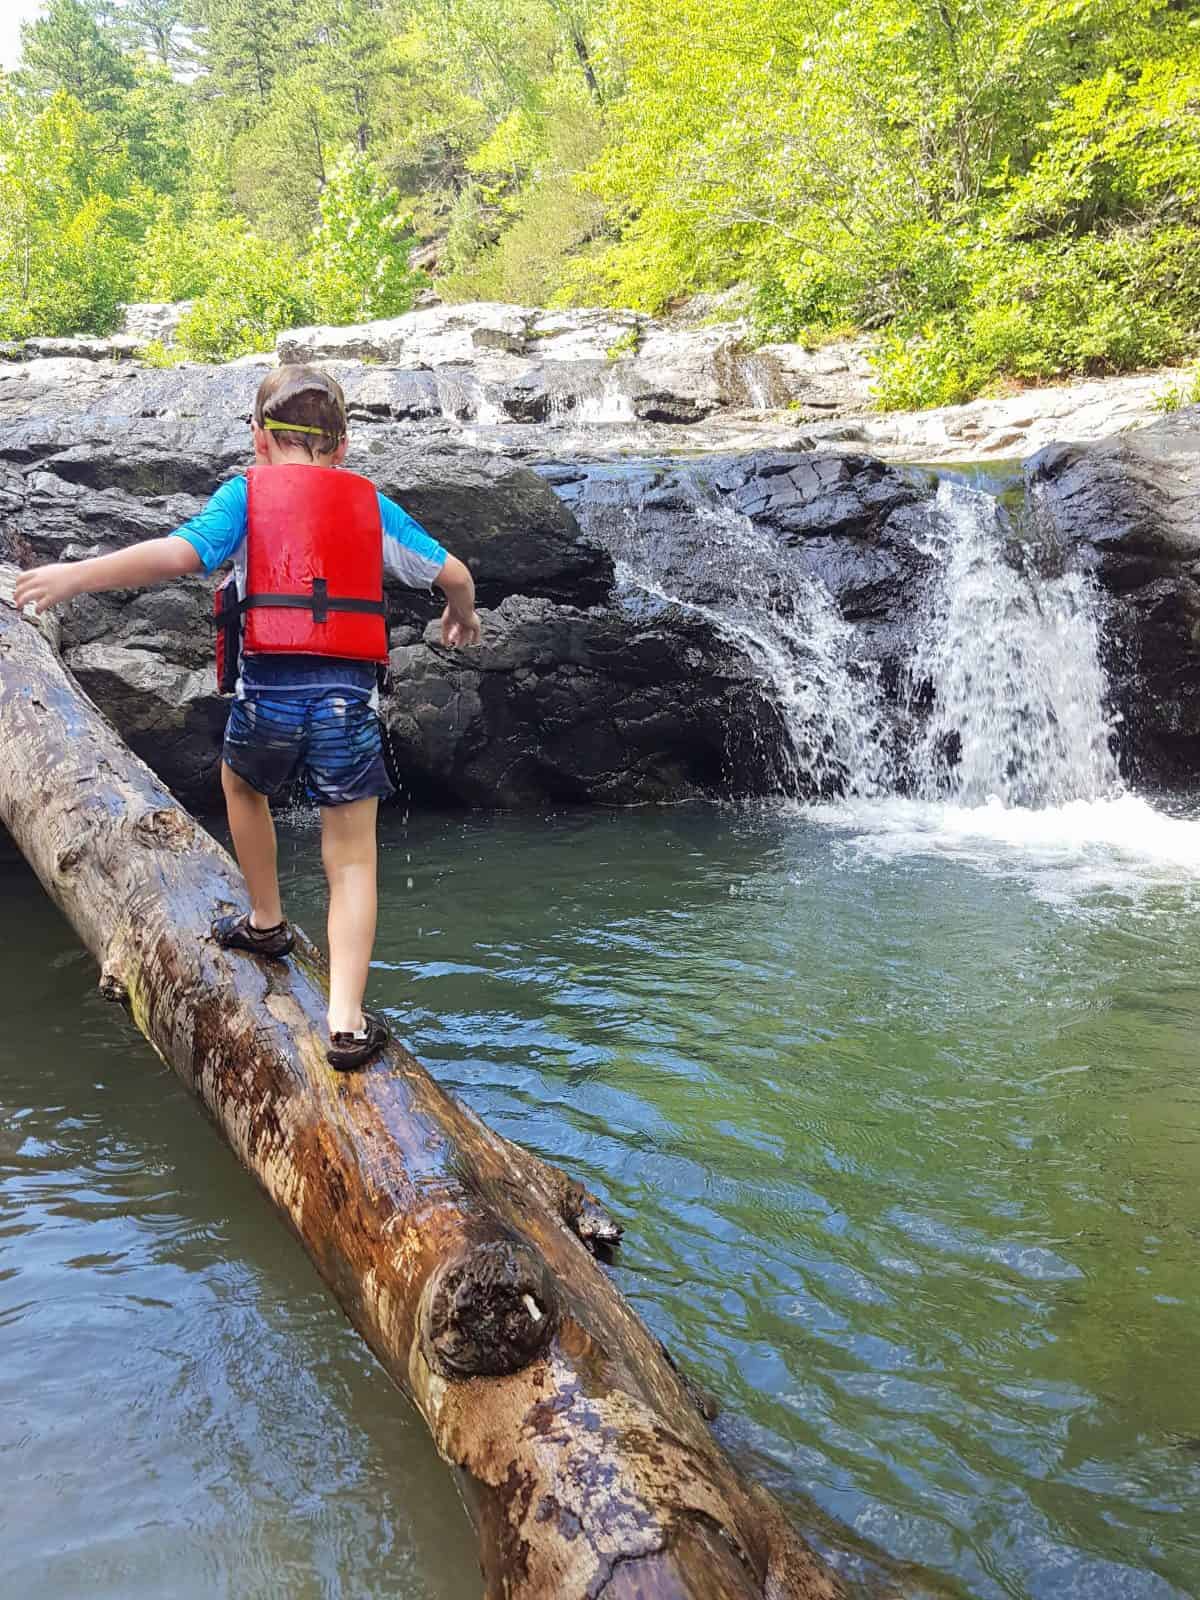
(741, 578)
(594, 402)
(1009, 659)
(1006, 692)
(462, 398)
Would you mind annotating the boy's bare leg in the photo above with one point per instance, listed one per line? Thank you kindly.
(349, 854)
(254, 844)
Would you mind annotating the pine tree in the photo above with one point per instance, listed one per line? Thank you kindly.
(67, 49)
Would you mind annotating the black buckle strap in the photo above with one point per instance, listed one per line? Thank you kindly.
(320, 603)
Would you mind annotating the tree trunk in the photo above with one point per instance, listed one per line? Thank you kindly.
(582, 1454)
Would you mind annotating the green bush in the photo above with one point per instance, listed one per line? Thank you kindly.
(257, 288)
(1051, 310)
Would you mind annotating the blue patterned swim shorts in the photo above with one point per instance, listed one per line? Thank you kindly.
(328, 739)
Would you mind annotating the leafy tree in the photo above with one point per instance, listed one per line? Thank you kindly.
(992, 191)
(255, 288)
(66, 216)
(360, 252)
(241, 47)
(155, 26)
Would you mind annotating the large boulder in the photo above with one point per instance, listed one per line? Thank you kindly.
(1129, 509)
(577, 693)
(612, 704)
(148, 321)
(428, 338)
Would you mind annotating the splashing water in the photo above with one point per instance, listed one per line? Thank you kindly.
(788, 625)
(602, 402)
(1007, 691)
(463, 398)
(1013, 662)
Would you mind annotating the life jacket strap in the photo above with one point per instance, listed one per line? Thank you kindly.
(320, 602)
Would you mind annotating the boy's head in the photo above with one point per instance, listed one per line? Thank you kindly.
(313, 403)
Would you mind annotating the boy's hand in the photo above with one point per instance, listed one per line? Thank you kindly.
(43, 587)
(460, 628)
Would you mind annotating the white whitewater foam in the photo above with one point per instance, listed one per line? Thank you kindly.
(1062, 852)
(1013, 658)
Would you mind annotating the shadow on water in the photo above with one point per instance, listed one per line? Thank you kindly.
(184, 1409)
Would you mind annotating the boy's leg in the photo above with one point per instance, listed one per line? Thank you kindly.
(254, 843)
(348, 851)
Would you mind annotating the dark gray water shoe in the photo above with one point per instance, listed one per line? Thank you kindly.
(349, 1050)
(236, 932)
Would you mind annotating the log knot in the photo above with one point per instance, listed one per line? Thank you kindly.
(166, 827)
(71, 856)
(488, 1311)
(113, 988)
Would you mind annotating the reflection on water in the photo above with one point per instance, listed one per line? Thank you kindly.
(183, 1410)
(908, 1152)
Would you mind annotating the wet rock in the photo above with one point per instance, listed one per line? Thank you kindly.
(1129, 508)
(850, 522)
(83, 484)
(614, 705)
(170, 716)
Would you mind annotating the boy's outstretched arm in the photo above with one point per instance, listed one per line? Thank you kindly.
(152, 561)
(460, 625)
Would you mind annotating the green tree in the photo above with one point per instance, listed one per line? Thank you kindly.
(66, 49)
(360, 252)
(241, 45)
(67, 215)
(155, 26)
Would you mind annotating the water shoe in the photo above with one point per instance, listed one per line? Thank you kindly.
(349, 1050)
(236, 932)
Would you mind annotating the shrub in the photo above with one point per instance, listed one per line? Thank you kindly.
(257, 288)
(359, 261)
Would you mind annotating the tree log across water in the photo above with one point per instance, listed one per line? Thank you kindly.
(459, 1257)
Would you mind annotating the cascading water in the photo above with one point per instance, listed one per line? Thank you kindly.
(1010, 661)
(1007, 691)
(600, 402)
(739, 577)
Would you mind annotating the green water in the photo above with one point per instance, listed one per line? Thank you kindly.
(902, 1116)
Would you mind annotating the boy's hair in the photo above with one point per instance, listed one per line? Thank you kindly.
(305, 396)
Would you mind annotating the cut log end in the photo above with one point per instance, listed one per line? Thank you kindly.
(598, 1230)
(488, 1311)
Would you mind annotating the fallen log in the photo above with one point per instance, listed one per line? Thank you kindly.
(583, 1456)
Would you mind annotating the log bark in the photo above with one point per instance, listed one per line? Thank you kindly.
(460, 1258)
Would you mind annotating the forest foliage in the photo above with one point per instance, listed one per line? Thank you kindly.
(992, 191)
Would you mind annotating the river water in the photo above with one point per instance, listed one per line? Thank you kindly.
(899, 1104)
(897, 1097)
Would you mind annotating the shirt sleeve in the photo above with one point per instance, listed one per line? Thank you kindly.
(218, 531)
(408, 551)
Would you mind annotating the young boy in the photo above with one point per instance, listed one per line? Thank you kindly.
(309, 549)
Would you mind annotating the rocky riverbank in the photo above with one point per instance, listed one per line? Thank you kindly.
(532, 384)
(609, 671)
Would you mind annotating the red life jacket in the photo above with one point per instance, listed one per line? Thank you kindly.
(314, 571)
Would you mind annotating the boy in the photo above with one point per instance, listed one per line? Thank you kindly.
(309, 549)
